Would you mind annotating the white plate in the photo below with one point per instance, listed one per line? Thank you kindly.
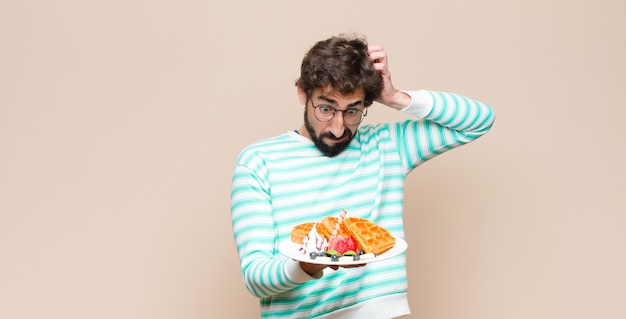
(290, 249)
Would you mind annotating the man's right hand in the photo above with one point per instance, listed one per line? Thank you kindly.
(313, 269)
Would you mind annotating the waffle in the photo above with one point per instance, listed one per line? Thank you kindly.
(370, 237)
(327, 226)
(300, 231)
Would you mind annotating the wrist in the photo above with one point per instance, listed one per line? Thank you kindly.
(421, 103)
(399, 100)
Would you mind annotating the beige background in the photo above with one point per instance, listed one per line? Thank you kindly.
(120, 122)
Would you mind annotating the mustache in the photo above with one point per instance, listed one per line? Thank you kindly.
(331, 135)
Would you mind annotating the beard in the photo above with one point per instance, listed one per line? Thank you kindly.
(328, 150)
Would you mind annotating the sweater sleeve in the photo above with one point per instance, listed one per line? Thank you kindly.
(447, 120)
(264, 271)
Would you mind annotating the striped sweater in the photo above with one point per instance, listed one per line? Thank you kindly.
(283, 181)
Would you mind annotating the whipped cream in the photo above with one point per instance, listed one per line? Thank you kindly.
(313, 242)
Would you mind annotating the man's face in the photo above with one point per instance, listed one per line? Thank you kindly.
(331, 136)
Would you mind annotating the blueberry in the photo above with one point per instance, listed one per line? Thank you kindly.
(313, 255)
(334, 258)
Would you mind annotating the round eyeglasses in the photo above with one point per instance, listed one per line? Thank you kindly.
(325, 113)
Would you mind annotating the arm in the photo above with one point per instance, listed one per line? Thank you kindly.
(264, 273)
(449, 120)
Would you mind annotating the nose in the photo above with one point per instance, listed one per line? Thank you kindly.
(337, 126)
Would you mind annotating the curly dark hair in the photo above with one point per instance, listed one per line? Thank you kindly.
(340, 63)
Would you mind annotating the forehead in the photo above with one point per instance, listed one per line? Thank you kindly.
(331, 95)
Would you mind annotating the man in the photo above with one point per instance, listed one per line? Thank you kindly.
(332, 163)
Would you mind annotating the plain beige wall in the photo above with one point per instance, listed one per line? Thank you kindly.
(120, 122)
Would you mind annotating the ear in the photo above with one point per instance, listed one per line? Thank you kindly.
(301, 95)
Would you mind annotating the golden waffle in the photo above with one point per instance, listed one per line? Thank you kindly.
(325, 228)
(299, 232)
(369, 237)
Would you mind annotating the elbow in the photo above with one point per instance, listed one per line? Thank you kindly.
(258, 287)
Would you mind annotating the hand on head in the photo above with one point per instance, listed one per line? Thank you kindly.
(389, 96)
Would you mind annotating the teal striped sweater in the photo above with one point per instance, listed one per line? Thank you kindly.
(283, 181)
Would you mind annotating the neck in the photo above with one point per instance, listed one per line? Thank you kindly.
(304, 132)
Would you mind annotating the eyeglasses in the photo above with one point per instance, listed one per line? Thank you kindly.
(351, 117)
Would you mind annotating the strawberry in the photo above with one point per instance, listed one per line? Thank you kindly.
(342, 245)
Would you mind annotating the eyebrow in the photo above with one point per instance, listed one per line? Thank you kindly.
(329, 100)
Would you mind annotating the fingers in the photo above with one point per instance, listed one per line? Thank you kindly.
(374, 47)
(378, 56)
(376, 52)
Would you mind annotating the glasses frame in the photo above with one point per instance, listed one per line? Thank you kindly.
(363, 114)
